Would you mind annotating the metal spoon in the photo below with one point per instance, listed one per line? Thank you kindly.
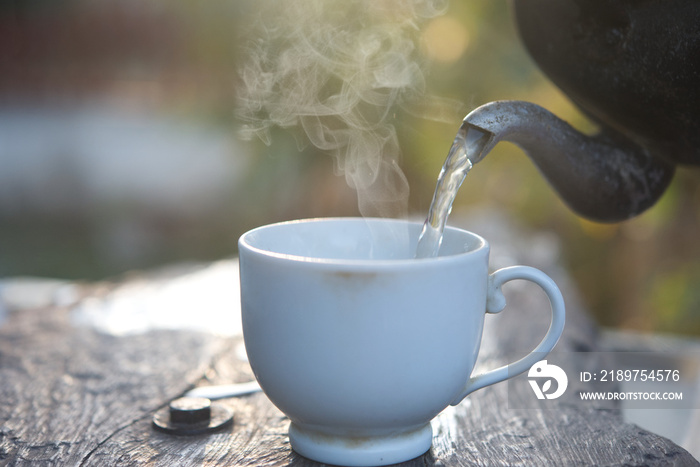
(224, 390)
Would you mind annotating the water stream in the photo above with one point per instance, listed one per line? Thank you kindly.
(467, 147)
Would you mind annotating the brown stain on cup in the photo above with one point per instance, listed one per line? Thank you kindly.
(354, 276)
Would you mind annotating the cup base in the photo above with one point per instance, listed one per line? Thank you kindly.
(361, 451)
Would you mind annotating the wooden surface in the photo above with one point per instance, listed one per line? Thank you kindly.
(75, 393)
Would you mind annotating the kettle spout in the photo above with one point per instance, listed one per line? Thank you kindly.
(605, 177)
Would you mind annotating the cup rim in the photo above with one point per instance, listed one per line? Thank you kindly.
(244, 244)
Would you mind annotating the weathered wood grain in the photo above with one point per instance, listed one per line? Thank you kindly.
(65, 390)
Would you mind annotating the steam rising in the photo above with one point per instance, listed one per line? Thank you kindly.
(337, 70)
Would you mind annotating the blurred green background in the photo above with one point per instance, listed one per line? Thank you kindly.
(118, 151)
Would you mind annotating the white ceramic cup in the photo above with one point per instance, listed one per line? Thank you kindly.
(360, 344)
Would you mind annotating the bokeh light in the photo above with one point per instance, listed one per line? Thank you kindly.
(445, 39)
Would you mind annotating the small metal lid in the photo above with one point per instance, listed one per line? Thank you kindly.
(192, 416)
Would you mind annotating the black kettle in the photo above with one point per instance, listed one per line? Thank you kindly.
(633, 67)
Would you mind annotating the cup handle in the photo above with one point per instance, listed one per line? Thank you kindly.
(495, 302)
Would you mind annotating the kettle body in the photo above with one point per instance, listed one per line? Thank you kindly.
(633, 66)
